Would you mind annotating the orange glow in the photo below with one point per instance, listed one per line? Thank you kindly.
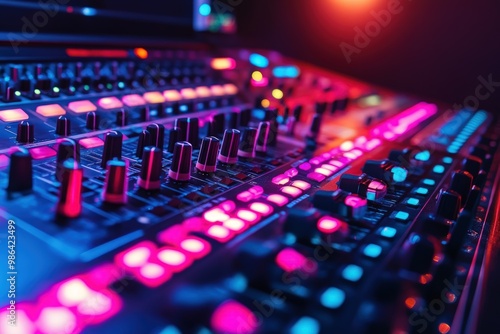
(141, 53)
(13, 115)
(172, 95)
(223, 64)
(85, 53)
(133, 100)
(444, 328)
(188, 93)
(203, 91)
(354, 4)
(217, 90)
(277, 94)
(110, 103)
(81, 106)
(154, 97)
(230, 89)
(424, 279)
(50, 110)
(410, 302)
(265, 103)
(257, 76)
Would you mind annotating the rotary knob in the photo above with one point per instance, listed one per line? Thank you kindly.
(180, 170)
(207, 160)
(229, 150)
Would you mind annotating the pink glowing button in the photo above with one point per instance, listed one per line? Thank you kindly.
(188, 93)
(336, 163)
(355, 201)
(301, 185)
(245, 196)
(230, 89)
(81, 106)
(194, 224)
(347, 146)
(136, 256)
(173, 234)
(256, 191)
(174, 259)
(350, 156)
(293, 172)
(316, 176)
(98, 304)
(232, 317)
(262, 208)
(248, 216)
(215, 215)
(73, 292)
(24, 325)
(277, 199)
(153, 97)
(292, 191)
(236, 225)
(42, 152)
(290, 260)
(50, 110)
(357, 152)
(324, 171)
(172, 95)
(4, 160)
(217, 90)
(372, 144)
(195, 246)
(56, 320)
(330, 167)
(315, 161)
(228, 206)
(203, 91)
(305, 166)
(13, 115)
(280, 180)
(133, 100)
(110, 103)
(91, 142)
(219, 233)
(153, 275)
(223, 64)
(329, 224)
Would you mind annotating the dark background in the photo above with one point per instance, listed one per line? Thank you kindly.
(436, 49)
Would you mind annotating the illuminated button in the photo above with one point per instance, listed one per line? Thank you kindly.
(333, 298)
(42, 152)
(228, 206)
(372, 251)
(137, 257)
(290, 260)
(215, 215)
(235, 224)
(301, 185)
(429, 182)
(256, 191)
(305, 325)
(329, 167)
(153, 275)
(91, 142)
(447, 160)
(402, 215)
(4, 160)
(413, 201)
(223, 63)
(153, 97)
(438, 169)
(422, 191)
(110, 103)
(388, 232)
(196, 247)
(245, 196)
(336, 163)
(423, 156)
(248, 216)
(293, 172)
(305, 166)
(316, 177)
(219, 233)
(261, 208)
(172, 95)
(292, 191)
(347, 146)
(188, 93)
(13, 115)
(174, 259)
(277, 199)
(280, 179)
(217, 90)
(133, 100)
(329, 225)
(350, 155)
(203, 91)
(352, 273)
(230, 89)
(55, 320)
(50, 110)
(81, 106)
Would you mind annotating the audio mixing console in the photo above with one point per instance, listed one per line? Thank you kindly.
(232, 191)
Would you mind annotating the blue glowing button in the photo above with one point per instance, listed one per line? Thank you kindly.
(413, 201)
(205, 9)
(305, 325)
(439, 169)
(423, 156)
(258, 60)
(372, 251)
(402, 215)
(388, 232)
(422, 191)
(352, 273)
(429, 182)
(399, 174)
(447, 160)
(333, 298)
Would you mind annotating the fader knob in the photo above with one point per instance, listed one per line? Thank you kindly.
(116, 184)
(461, 182)
(20, 171)
(151, 168)
(247, 143)
(63, 126)
(25, 132)
(472, 165)
(449, 204)
(263, 136)
(363, 185)
(207, 160)
(144, 140)
(112, 147)
(189, 130)
(229, 150)
(173, 137)
(157, 132)
(385, 170)
(315, 126)
(92, 121)
(180, 170)
(418, 253)
(68, 149)
(121, 118)
(70, 193)
(341, 203)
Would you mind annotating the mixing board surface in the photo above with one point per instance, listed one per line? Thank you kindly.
(235, 191)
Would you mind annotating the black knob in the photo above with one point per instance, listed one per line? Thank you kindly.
(189, 130)
(63, 126)
(151, 168)
(229, 150)
(234, 120)
(121, 117)
(144, 114)
(173, 137)
(439, 227)
(144, 140)
(20, 171)
(116, 184)
(112, 147)
(461, 182)
(385, 170)
(182, 125)
(480, 179)
(417, 253)
(180, 170)
(473, 199)
(10, 94)
(68, 149)
(458, 233)
(25, 132)
(320, 107)
(302, 224)
(341, 203)
(472, 165)
(363, 185)
(263, 136)
(70, 193)
(207, 160)
(216, 126)
(157, 132)
(245, 117)
(92, 122)
(247, 143)
(449, 204)
(315, 126)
